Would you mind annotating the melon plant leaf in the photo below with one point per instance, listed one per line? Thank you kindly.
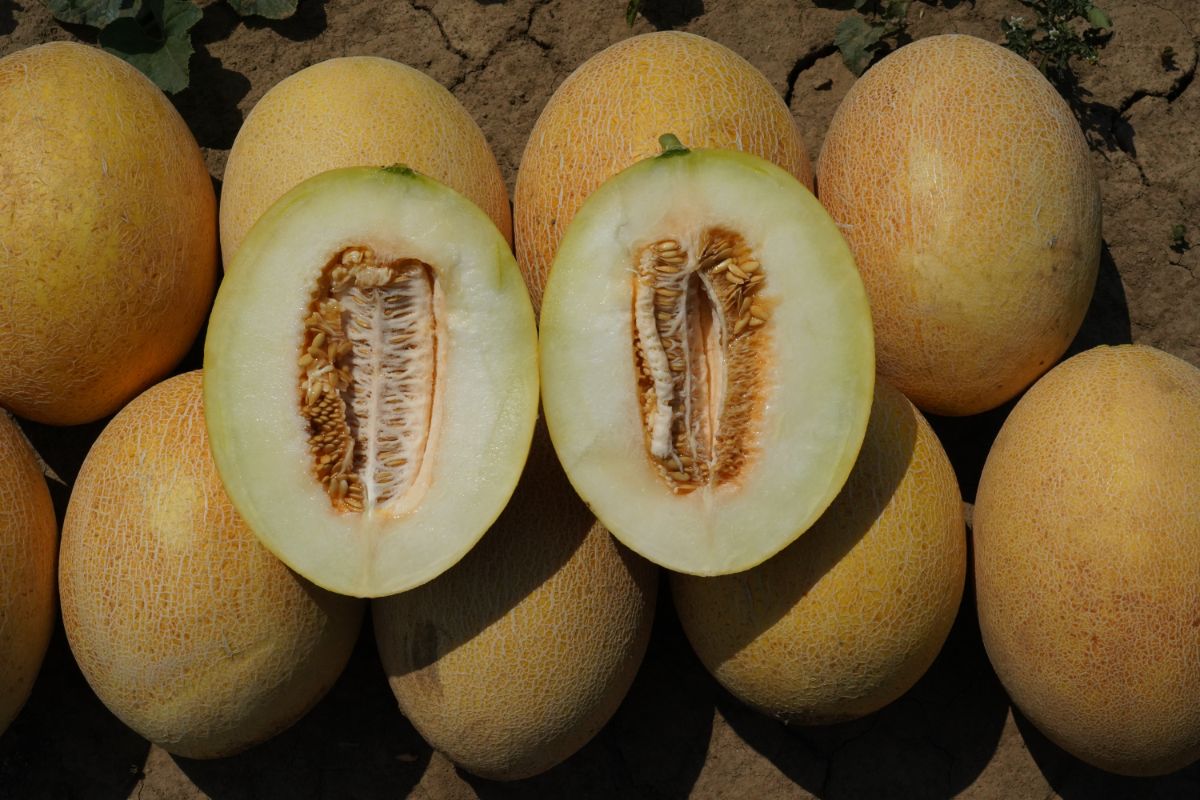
(156, 41)
(856, 40)
(96, 13)
(1098, 18)
(268, 9)
(631, 12)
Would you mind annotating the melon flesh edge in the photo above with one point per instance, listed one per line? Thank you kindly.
(487, 379)
(819, 386)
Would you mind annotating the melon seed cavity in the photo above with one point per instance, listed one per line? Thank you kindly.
(368, 370)
(700, 338)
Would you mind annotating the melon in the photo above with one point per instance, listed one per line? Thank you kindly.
(354, 111)
(28, 545)
(847, 618)
(962, 182)
(371, 378)
(1087, 557)
(609, 113)
(187, 628)
(706, 358)
(513, 659)
(107, 229)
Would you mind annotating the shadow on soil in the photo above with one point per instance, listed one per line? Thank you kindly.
(668, 14)
(307, 23)
(210, 103)
(1073, 779)
(8, 19)
(933, 742)
(65, 743)
(354, 743)
(655, 744)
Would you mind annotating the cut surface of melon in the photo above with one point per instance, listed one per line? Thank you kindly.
(371, 379)
(707, 360)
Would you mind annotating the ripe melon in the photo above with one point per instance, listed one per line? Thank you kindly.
(513, 659)
(848, 617)
(706, 358)
(184, 625)
(371, 378)
(348, 112)
(962, 182)
(1087, 558)
(107, 230)
(609, 113)
(28, 543)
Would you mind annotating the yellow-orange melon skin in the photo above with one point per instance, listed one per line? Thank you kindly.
(28, 543)
(609, 113)
(1087, 558)
(513, 659)
(961, 181)
(358, 111)
(847, 618)
(185, 626)
(108, 237)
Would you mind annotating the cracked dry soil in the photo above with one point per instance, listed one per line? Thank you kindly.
(677, 733)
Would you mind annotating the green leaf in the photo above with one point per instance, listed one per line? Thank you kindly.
(631, 12)
(858, 4)
(96, 13)
(1098, 18)
(857, 41)
(156, 41)
(268, 9)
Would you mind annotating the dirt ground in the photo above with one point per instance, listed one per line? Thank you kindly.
(677, 734)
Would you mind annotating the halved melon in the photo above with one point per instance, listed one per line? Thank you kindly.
(707, 360)
(371, 378)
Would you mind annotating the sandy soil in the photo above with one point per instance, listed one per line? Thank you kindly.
(677, 734)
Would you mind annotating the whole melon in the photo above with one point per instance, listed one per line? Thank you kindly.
(108, 239)
(609, 113)
(28, 543)
(513, 659)
(185, 626)
(1087, 558)
(851, 615)
(961, 180)
(349, 112)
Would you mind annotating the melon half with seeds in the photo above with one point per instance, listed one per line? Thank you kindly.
(707, 361)
(371, 378)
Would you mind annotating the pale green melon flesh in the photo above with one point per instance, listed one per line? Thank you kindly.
(483, 408)
(811, 403)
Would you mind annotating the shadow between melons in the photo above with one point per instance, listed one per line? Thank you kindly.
(967, 440)
(932, 742)
(818, 550)
(353, 743)
(210, 103)
(1073, 779)
(544, 519)
(64, 742)
(656, 743)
